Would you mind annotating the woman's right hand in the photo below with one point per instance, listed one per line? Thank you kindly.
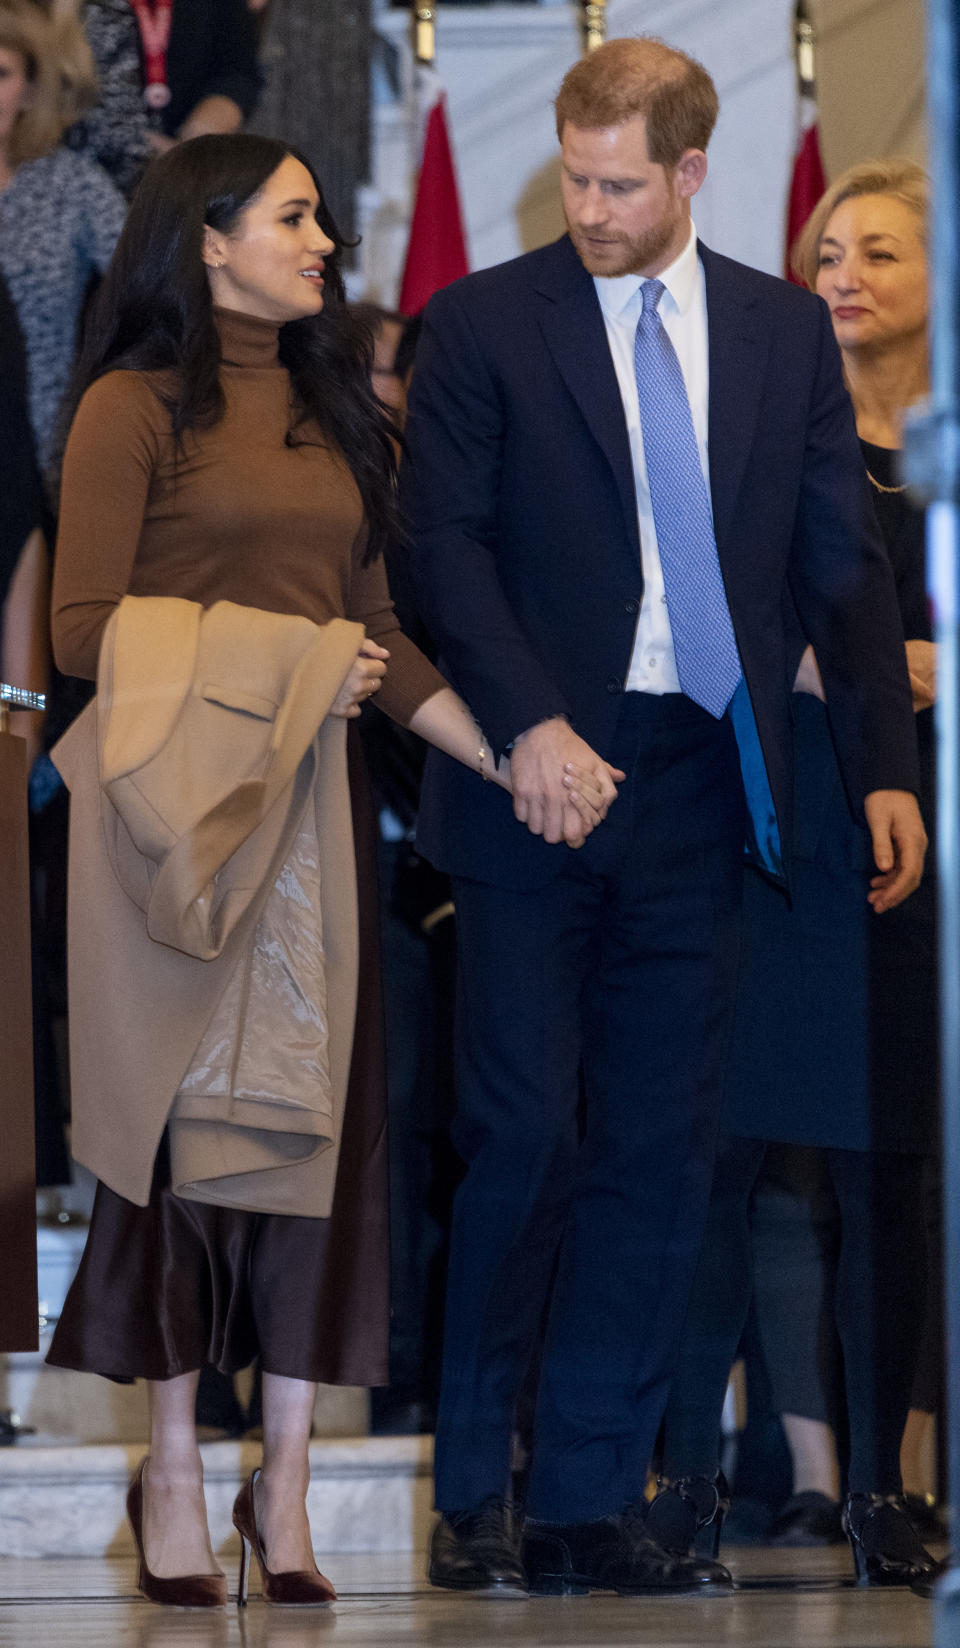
(366, 673)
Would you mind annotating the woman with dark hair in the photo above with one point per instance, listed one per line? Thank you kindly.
(228, 448)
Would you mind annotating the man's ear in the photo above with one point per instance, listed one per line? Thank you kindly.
(214, 250)
(690, 172)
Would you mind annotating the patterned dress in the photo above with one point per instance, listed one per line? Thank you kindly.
(117, 132)
(60, 218)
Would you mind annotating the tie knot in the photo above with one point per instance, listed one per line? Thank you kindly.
(653, 291)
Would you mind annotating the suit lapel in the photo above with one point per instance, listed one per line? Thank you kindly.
(572, 326)
(738, 345)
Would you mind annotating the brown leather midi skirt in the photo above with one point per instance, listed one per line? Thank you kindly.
(163, 1289)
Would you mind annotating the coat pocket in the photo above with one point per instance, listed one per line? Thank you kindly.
(232, 697)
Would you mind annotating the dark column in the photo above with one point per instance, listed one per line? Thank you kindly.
(18, 1216)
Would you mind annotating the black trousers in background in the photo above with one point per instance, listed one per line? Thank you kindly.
(626, 961)
(879, 1303)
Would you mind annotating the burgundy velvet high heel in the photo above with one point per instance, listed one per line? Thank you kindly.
(298, 1588)
(182, 1591)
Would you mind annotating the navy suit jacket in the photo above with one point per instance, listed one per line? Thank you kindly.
(525, 553)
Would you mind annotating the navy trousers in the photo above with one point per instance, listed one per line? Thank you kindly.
(619, 974)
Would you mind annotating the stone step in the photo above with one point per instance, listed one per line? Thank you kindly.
(367, 1493)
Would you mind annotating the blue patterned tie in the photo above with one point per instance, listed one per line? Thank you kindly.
(708, 663)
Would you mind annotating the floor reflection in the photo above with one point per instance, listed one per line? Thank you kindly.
(184, 1628)
(257, 1626)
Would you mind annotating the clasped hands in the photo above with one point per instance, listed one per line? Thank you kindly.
(561, 788)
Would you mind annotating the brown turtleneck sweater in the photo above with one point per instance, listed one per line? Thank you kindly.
(238, 516)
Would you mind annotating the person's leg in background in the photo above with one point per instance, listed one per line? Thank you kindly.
(880, 1311)
(714, 1322)
(919, 1463)
(795, 1232)
(716, 1315)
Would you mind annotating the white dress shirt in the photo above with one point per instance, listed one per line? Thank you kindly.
(683, 310)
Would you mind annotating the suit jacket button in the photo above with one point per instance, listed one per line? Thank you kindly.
(631, 606)
(614, 684)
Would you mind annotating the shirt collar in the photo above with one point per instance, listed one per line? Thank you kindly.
(680, 280)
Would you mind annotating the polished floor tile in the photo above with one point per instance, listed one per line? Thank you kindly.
(787, 1599)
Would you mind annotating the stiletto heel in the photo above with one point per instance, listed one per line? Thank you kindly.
(183, 1591)
(243, 1579)
(859, 1561)
(298, 1588)
(886, 1548)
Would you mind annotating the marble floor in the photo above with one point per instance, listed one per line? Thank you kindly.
(786, 1599)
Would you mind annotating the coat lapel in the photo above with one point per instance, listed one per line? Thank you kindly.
(573, 329)
(738, 345)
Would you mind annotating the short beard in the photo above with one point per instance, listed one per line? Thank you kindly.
(634, 255)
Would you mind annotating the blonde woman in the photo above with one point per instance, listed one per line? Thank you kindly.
(60, 216)
(835, 1037)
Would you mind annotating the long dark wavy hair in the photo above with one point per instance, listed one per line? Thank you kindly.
(153, 313)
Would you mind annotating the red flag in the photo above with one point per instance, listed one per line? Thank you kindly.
(806, 187)
(437, 250)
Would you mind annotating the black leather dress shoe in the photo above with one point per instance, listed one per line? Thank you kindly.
(477, 1551)
(614, 1554)
(688, 1512)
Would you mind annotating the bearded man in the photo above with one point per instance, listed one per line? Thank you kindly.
(626, 455)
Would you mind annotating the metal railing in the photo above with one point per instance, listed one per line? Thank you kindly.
(18, 698)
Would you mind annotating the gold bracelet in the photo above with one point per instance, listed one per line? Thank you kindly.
(482, 769)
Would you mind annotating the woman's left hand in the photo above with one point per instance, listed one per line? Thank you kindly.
(587, 804)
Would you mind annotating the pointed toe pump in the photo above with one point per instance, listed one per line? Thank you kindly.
(887, 1550)
(182, 1591)
(298, 1588)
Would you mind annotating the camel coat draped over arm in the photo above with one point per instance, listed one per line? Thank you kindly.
(212, 905)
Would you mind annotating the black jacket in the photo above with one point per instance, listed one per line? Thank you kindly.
(212, 52)
(525, 551)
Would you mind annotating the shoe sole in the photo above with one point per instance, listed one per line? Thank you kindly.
(556, 1586)
(511, 1592)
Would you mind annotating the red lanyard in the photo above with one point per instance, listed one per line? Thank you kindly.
(154, 22)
